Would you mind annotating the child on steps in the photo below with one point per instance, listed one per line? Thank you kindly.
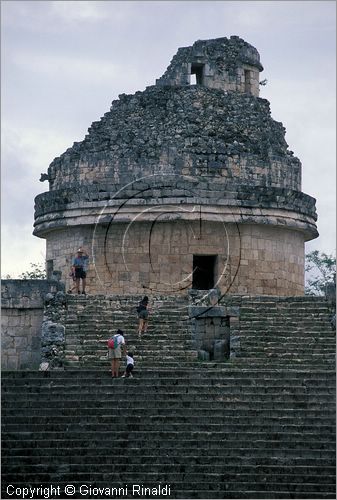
(129, 365)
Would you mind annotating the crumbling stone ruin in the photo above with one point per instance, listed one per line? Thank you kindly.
(183, 185)
(186, 191)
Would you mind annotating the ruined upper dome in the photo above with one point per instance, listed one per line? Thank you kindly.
(216, 128)
(192, 131)
(221, 63)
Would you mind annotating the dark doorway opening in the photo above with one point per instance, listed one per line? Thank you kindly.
(203, 271)
(198, 71)
(49, 268)
(248, 83)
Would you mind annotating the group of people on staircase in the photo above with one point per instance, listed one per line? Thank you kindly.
(78, 272)
(116, 345)
(117, 349)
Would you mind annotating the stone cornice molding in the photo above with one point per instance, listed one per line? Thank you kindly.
(104, 213)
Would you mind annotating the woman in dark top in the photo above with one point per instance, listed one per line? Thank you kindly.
(143, 315)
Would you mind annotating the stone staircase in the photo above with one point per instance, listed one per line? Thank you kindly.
(231, 433)
(256, 426)
(91, 321)
(292, 332)
(288, 332)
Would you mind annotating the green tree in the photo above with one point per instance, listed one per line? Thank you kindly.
(37, 272)
(321, 270)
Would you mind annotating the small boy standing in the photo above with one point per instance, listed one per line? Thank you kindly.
(129, 365)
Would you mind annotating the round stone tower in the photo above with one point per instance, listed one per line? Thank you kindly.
(188, 184)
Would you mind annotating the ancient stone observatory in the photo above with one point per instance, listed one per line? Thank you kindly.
(188, 184)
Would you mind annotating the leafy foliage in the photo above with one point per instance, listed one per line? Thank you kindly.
(37, 272)
(321, 269)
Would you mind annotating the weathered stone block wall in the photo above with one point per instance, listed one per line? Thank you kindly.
(61, 248)
(213, 326)
(271, 261)
(20, 345)
(21, 320)
(132, 259)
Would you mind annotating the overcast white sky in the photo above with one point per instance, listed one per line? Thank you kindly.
(63, 62)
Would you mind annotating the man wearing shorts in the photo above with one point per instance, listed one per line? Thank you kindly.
(79, 267)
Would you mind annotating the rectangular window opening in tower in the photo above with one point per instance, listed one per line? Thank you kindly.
(198, 71)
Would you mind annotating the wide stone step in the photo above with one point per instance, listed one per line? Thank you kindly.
(238, 456)
(145, 340)
(124, 314)
(82, 463)
(282, 449)
(318, 354)
(42, 473)
(213, 456)
(206, 371)
(274, 334)
(288, 342)
(82, 325)
(310, 400)
(313, 415)
(136, 343)
(255, 433)
(315, 356)
(269, 324)
(229, 382)
(232, 402)
(186, 418)
(256, 339)
(239, 387)
(183, 413)
(282, 325)
(267, 412)
(177, 408)
(244, 363)
(244, 359)
(186, 490)
(201, 392)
